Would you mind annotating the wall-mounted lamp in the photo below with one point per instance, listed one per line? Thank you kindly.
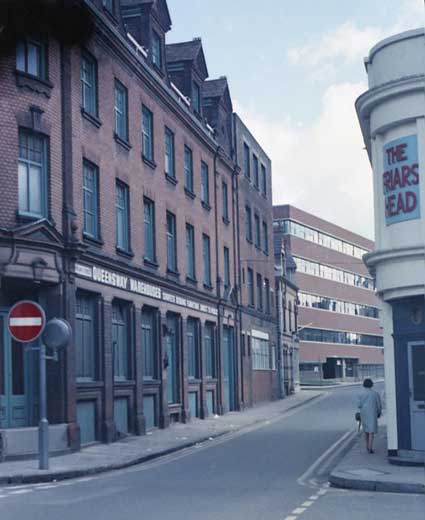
(38, 265)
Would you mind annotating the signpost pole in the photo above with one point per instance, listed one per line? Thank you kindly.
(43, 427)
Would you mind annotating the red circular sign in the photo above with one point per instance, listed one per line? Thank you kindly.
(26, 321)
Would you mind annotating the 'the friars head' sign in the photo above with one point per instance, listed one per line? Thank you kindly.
(401, 180)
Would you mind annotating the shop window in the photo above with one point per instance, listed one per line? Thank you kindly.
(32, 175)
(86, 345)
(149, 345)
(192, 348)
(210, 351)
(121, 341)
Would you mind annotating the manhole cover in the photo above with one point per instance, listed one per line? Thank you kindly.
(366, 472)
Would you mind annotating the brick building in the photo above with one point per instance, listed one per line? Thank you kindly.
(338, 317)
(121, 213)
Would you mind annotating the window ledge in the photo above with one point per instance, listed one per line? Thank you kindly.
(128, 253)
(150, 263)
(149, 162)
(91, 117)
(205, 205)
(257, 246)
(190, 193)
(208, 286)
(23, 217)
(34, 83)
(125, 144)
(192, 281)
(171, 180)
(226, 221)
(93, 240)
(264, 195)
(173, 273)
(257, 188)
(249, 240)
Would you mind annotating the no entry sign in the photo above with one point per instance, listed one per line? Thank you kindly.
(26, 321)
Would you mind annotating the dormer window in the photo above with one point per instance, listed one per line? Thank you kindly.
(156, 50)
(196, 97)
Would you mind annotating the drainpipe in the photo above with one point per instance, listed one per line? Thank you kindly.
(281, 364)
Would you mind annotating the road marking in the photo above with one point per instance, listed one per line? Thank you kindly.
(322, 491)
(307, 503)
(314, 497)
(299, 511)
(20, 491)
(291, 518)
(333, 450)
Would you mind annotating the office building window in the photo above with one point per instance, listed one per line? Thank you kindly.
(156, 50)
(190, 251)
(149, 227)
(210, 354)
(121, 111)
(192, 341)
(250, 287)
(31, 57)
(226, 253)
(188, 169)
(265, 238)
(147, 134)
(122, 216)
(85, 338)
(257, 231)
(121, 341)
(259, 292)
(89, 84)
(263, 180)
(205, 184)
(246, 161)
(91, 200)
(256, 172)
(225, 202)
(334, 305)
(337, 336)
(171, 242)
(299, 230)
(32, 174)
(248, 223)
(150, 367)
(196, 97)
(267, 291)
(169, 154)
(206, 254)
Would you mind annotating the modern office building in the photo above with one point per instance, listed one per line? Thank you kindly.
(392, 120)
(121, 213)
(338, 316)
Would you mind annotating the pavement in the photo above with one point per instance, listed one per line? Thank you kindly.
(372, 472)
(133, 450)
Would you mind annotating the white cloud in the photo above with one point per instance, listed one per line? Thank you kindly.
(348, 44)
(321, 168)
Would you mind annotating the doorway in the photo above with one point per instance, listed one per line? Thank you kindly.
(171, 349)
(416, 351)
(13, 395)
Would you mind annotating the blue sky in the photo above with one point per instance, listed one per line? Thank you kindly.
(295, 69)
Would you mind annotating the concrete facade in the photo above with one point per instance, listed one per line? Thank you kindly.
(338, 326)
(391, 115)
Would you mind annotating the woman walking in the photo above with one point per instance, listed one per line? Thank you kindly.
(369, 403)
